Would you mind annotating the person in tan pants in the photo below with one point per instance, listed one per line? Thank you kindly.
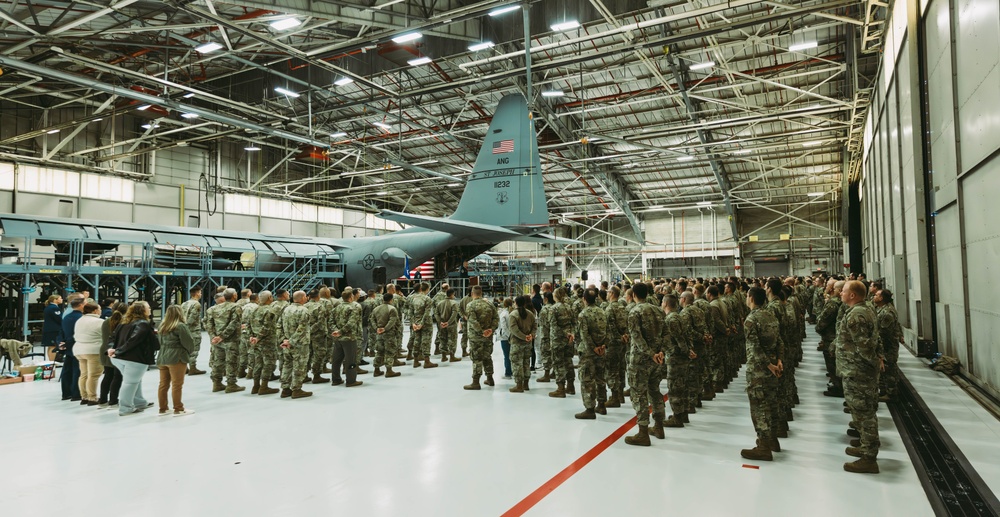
(88, 345)
(176, 347)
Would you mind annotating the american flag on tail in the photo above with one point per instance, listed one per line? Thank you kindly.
(503, 146)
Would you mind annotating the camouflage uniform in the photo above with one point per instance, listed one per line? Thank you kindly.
(545, 349)
(318, 333)
(858, 351)
(677, 345)
(761, 330)
(386, 316)
(614, 359)
(777, 309)
(464, 315)
(720, 343)
(482, 315)
(826, 327)
(694, 316)
(421, 313)
(520, 349)
(890, 332)
(408, 316)
(592, 324)
(294, 326)
(645, 326)
(437, 335)
(347, 321)
(223, 321)
(561, 325)
(263, 326)
(279, 306)
(246, 359)
(192, 315)
(446, 311)
(705, 373)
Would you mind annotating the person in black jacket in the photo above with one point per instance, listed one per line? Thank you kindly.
(70, 377)
(135, 349)
(52, 323)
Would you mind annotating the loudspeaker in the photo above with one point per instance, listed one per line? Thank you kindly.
(378, 275)
(583, 276)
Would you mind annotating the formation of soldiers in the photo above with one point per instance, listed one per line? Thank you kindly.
(694, 333)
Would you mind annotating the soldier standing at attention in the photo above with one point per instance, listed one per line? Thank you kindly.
(482, 321)
(422, 326)
(318, 333)
(244, 297)
(463, 315)
(677, 346)
(346, 331)
(408, 316)
(263, 341)
(192, 314)
(614, 359)
(761, 330)
(242, 365)
(522, 330)
(246, 352)
(281, 301)
(694, 316)
(859, 360)
(224, 327)
(543, 329)
(385, 320)
(294, 328)
(441, 295)
(720, 338)
(328, 299)
(645, 326)
(892, 336)
(592, 325)
(446, 318)
(562, 326)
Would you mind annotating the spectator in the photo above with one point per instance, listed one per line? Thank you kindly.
(52, 323)
(176, 346)
(107, 307)
(70, 378)
(88, 345)
(504, 332)
(112, 381)
(135, 345)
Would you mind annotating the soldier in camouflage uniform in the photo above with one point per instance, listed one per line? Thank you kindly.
(562, 329)
(387, 329)
(482, 322)
(294, 328)
(859, 359)
(463, 315)
(442, 294)
(720, 338)
(677, 345)
(318, 332)
(282, 300)
(223, 326)
(421, 326)
(891, 334)
(246, 351)
(446, 320)
(407, 312)
(762, 374)
(522, 329)
(708, 390)
(241, 371)
(614, 359)
(592, 326)
(694, 315)
(645, 366)
(545, 348)
(192, 314)
(826, 327)
(345, 328)
(329, 299)
(263, 341)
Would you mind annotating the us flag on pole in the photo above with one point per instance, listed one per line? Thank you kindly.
(503, 146)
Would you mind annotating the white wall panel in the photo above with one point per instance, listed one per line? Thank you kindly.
(162, 215)
(162, 195)
(329, 231)
(241, 223)
(906, 98)
(950, 284)
(940, 104)
(977, 41)
(105, 210)
(980, 193)
(303, 228)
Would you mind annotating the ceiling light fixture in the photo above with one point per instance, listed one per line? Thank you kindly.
(685, 158)
(382, 125)
(805, 45)
(565, 26)
(382, 193)
(403, 38)
(816, 194)
(814, 143)
(742, 151)
(704, 203)
(52, 131)
(426, 162)
(552, 93)
(419, 61)
(144, 107)
(251, 148)
(702, 66)
(503, 10)
(188, 95)
(285, 24)
(285, 92)
(343, 81)
(338, 134)
(189, 115)
(454, 184)
(97, 120)
(481, 46)
(211, 46)
(150, 126)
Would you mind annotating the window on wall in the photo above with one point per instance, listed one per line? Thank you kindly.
(276, 208)
(304, 212)
(6, 176)
(240, 204)
(330, 215)
(110, 188)
(43, 180)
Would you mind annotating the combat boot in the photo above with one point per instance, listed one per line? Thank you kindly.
(353, 384)
(657, 429)
(429, 364)
(275, 378)
(856, 442)
(601, 409)
(397, 362)
(517, 388)
(444, 358)
(193, 370)
(759, 453)
(300, 394)
(613, 401)
(834, 392)
(627, 393)
(545, 378)
(378, 371)
(390, 374)
(684, 417)
(409, 356)
(853, 451)
(587, 414)
(489, 380)
(475, 384)
(416, 362)
(524, 385)
(570, 388)
(560, 392)
(862, 466)
(235, 388)
(674, 421)
(256, 386)
(465, 352)
(641, 438)
(773, 444)
(218, 386)
(242, 373)
(454, 358)
(286, 392)
(264, 390)
(709, 394)
(853, 433)
(319, 380)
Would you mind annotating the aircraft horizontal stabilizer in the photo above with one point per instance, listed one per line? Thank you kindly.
(546, 238)
(467, 229)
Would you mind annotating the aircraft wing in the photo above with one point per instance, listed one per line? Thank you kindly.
(478, 231)
(546, 238)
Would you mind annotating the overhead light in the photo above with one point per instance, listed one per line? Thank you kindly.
(816, 194)
(382, 125)
(654, 207)
(419, 61)
(189, 115)
(742, 151)
(188, 95)
(338, 134)
(503, 10)
(814, 143)
(702, 66)
(343, 81)
(426, 162)
(251, 148)
(150, 126)
(208, 47)
(565, 26)
(403, 38)
(704, 203)
(382, 193)
(285, 24)
(52, 131)
(283, 91)
(552, 93)
(144, 107)
(685, 158)
(481, 46)
(97, 120)
(568, 214)
(454, 184)
(805, 45)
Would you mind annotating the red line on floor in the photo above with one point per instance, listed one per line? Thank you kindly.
(549, 486)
